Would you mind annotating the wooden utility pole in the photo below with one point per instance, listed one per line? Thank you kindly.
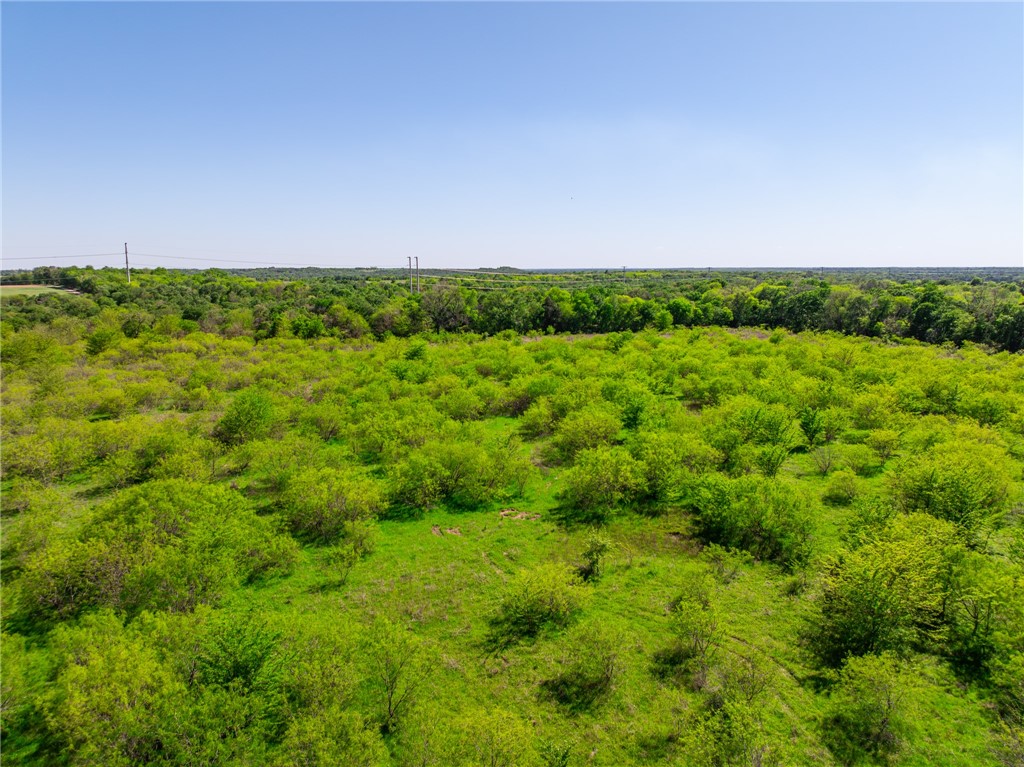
(127, 270)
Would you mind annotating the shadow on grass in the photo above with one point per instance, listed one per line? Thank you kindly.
(576, 692)
(402, 514)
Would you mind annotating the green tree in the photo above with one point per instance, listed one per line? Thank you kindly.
(396, 663)
(250, 416)
(886, 595)
(966, 484)
(867, 712)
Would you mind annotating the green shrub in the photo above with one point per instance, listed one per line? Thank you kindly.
(547, 596)
(585, 429)
(968, 485)
(163, 545)
(603, 479)
(589, 670)
(319, 504)
(867, 714)
(249, 417)
(767, 518)
(842, 488)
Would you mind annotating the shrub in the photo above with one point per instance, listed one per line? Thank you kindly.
(860, 459)
(767, 518)
(824, 458)
(866, 712)
(597, 547)
(842, 488)
(885, 595)
(695, 627)
(968, 485)
(249, 417)
(163, 545)
(319, 504)
(547, 596)
(884, 442)
(585, 429)
(603, 479)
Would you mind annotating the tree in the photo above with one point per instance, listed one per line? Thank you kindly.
(887, 594)
(966, 484)
(449, 308)
(395, 659)
(249, 417)
(867, 710)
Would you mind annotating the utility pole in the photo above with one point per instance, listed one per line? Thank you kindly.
(417, 274)
(623, 275)
(410, 273)
(127, 270)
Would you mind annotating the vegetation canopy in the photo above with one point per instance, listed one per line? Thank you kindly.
(315, 518)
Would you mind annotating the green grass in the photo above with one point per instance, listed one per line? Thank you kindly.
(26, 290)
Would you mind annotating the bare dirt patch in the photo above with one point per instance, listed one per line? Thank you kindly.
(516, 514)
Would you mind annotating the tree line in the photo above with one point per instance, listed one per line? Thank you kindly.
(353, 304)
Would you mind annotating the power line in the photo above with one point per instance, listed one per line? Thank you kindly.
(278, 264)
(55, 258)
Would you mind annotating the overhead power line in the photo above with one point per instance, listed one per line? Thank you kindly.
(279, 264)
(55, 258)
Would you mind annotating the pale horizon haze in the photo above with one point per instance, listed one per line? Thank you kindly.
(534, 135)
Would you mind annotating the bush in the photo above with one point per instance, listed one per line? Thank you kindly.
(866, 712)
(163, 545)
(695, 627)
(249, 417)
(860, 459)
(585, 429)
(319, 504)
(603, 479)
(546, 597)
(884, 442)
(842, 489)
(767, 518)
(886, 595)
(597, 547)
(968, 485)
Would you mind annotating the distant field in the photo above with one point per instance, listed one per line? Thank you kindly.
(25, 290)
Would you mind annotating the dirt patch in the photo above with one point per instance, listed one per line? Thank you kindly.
(453, 531)
(436, 530)
(516, 514)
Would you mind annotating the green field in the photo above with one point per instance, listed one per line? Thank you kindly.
(26, 290)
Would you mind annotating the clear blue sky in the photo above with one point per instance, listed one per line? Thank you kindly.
(531, 135)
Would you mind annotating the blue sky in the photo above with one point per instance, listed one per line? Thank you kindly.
(531, 135)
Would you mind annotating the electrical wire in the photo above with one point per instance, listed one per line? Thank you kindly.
(54, 258)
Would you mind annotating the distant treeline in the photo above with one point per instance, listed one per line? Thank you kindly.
(949, 306)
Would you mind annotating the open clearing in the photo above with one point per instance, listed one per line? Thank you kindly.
(26, 290)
